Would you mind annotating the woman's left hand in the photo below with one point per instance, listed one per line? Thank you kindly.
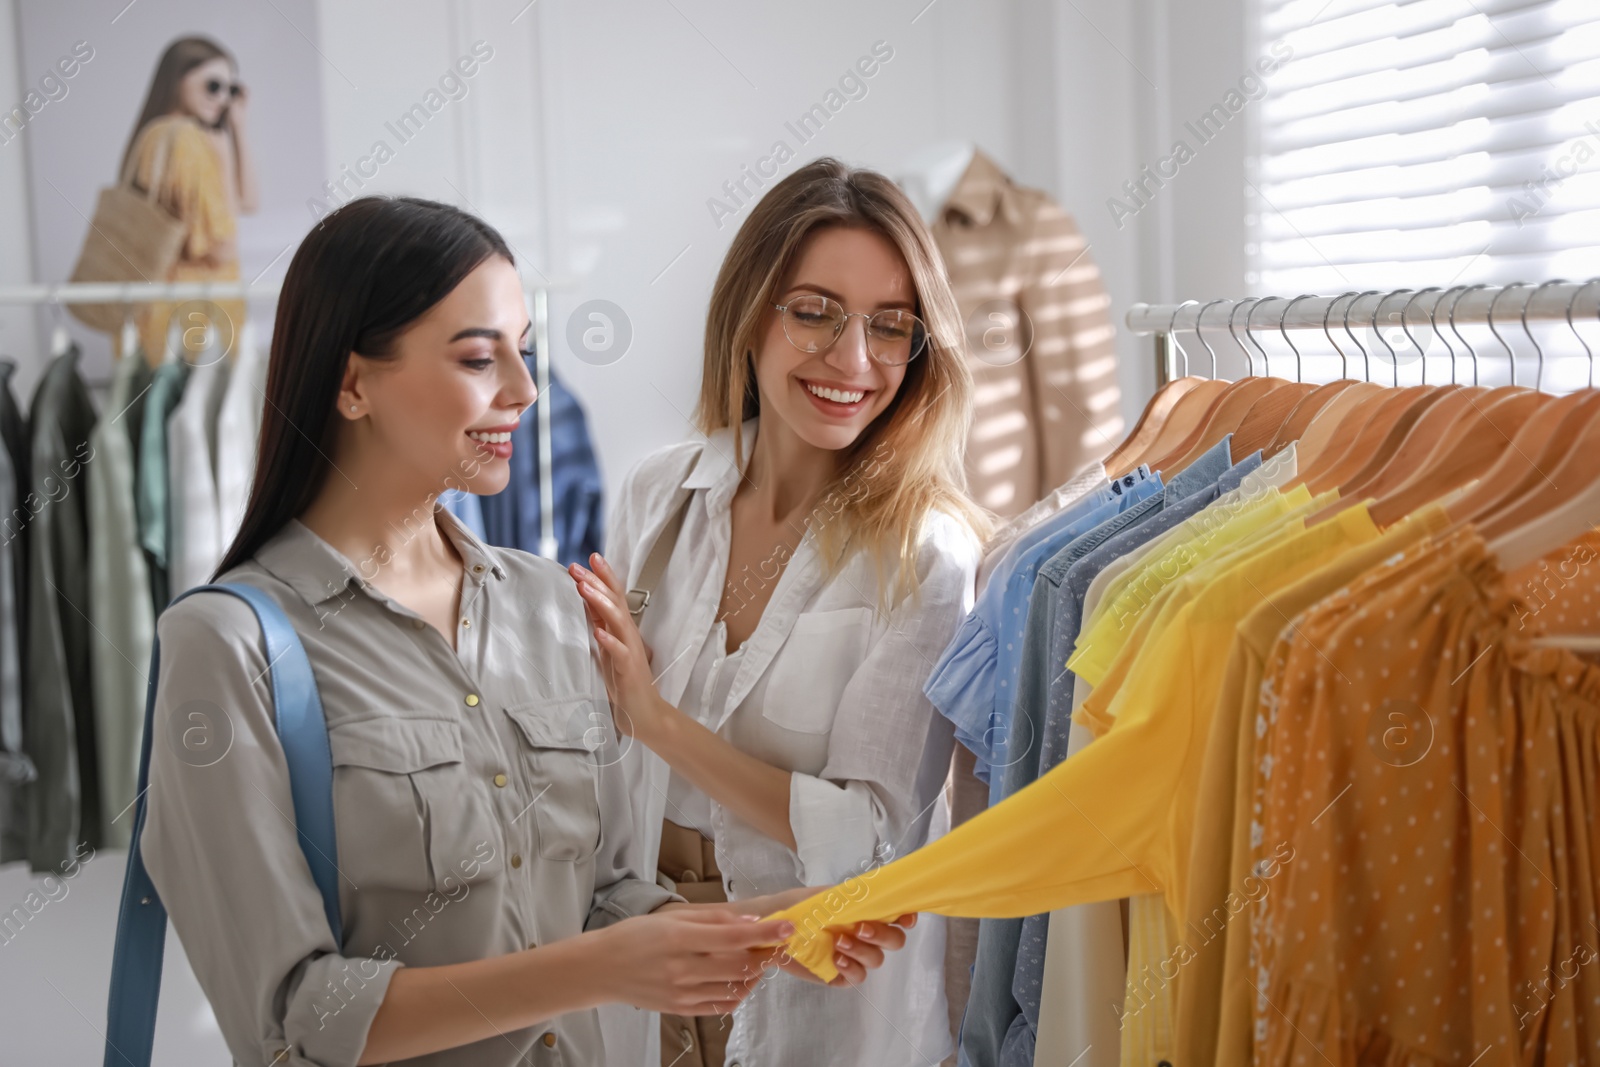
(636, 704)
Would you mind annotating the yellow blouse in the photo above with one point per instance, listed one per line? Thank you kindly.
(193, 186)
(1079, 833)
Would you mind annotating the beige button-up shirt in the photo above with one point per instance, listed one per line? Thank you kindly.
(477, 802)
(1039, 338)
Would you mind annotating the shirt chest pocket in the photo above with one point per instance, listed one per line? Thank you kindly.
(562, 740)
(409, 815)
(811, 670)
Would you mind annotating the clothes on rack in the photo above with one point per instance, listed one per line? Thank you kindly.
(1039, 337)
(58, 729)
(115, 511)
(1322, 746)
(511, 517)
(119, 597)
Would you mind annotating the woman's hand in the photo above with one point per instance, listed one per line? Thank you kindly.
(859, 949)
(687, 960)
(635, 702)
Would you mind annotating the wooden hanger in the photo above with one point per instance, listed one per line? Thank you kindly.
(1484, 434)
(1396, 411)
(1267, 417)
(1188, 416)
(1155, 413)
(1151, 419)
(1537, 448)
(1577, 505)
(1421, 439)
(1231, 408)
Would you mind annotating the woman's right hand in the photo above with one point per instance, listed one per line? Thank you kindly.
(687, 960)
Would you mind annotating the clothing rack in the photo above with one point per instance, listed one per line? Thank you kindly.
(1439, 308)
(150, 292)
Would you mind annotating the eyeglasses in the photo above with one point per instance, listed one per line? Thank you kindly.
(814, 323)
(215, 87)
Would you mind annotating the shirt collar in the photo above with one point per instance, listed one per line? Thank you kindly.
(715, 469)
(317, 571)
(983, 190)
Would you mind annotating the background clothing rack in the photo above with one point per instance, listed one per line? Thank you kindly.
(1461, 305)
(147, 292)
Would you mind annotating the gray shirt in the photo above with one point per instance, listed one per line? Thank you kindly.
(478, 805)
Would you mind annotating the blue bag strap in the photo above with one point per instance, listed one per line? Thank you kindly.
(142, 920)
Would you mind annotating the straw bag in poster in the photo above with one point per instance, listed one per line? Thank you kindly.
(687, 860)
(131, 239)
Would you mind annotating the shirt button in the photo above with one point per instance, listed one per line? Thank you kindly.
(477, 568)
(533, 944)
(466, 622)
(500, 781)
(516, 859)
(418, 623)
(549, 1039)
(472, 700)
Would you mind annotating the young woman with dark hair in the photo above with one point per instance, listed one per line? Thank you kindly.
(482, 826)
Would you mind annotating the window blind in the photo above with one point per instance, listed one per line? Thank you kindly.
(1435, 142)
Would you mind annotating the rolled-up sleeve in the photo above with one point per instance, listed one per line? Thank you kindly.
(889, 749)
(619, 893)
(220, 845)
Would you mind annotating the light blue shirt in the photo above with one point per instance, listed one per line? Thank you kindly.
(973, 681)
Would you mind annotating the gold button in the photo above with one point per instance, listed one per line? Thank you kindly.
(472, 700)
(500, 780)
(418, 623)
(516, 859)
(688, 876)
(533, 944)
(477, 568)
(549, 1040)
(466, 622)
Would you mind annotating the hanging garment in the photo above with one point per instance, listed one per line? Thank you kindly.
(1077, 834)
(1039, 338)
(152, 483)
(971, 682)
(1499, 782)
(826, 687)
(119, 600)
(438, 816)
(1010, 956)
(511, 516)
(1001, 540)
(58, 725)
(238, 435)
(1214, 994)
(17, 770)
(194, 524)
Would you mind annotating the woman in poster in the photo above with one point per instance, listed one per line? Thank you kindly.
(191, 146)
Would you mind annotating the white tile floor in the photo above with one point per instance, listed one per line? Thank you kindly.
(55, 970)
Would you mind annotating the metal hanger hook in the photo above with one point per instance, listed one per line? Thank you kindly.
(1511, 356)
(1422, 359)
(1344, 361)
(1251, 301)
(1538, 374)
(1249, 334)
(1172, 334)
(1394, 360)
(1366, 361)
(1473, 352)
(1198, 315)
(1586, 349)
(1284, 317)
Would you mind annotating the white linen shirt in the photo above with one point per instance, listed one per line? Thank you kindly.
(830, 689)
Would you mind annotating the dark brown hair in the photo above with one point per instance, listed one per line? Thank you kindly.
(366, 272)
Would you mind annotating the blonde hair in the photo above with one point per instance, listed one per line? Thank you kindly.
(909, 460)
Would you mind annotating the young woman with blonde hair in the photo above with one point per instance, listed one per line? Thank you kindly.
(805, 563)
